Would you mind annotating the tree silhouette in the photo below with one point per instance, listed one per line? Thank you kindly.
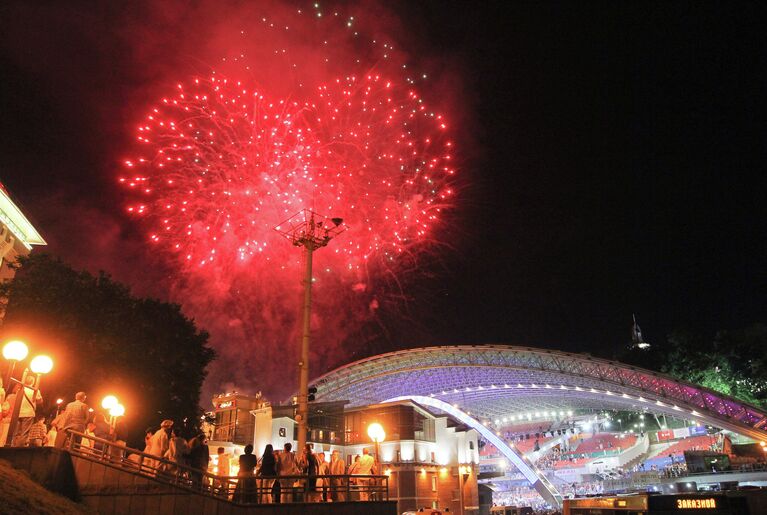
(104, 340)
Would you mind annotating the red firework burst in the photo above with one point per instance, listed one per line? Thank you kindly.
(223, 163)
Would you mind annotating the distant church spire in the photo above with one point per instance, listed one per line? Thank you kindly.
(636, 336)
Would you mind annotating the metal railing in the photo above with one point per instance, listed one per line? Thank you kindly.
(243, 489)
(652, 478)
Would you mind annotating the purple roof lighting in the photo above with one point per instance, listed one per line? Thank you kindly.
(492, 381)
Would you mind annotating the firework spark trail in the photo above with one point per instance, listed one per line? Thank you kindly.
(223, 160)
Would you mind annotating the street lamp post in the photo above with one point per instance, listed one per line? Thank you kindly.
(39, 365)
(115, 409)
(311, 231)
(114, 414)
(377, 434)
(461, 483)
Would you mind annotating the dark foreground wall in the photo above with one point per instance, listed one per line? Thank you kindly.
(47, 466)
(109, 490)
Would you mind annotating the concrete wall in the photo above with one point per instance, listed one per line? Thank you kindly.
(47, 466)
(416, 486)
(110, 490)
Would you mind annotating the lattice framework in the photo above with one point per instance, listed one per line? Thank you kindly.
(490, 381)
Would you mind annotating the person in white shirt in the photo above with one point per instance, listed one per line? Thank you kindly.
(30, 398)
(6, 408)
(87, 440)
(286, 466)
(365, 467)
(75, 417)
(159, 443)
(337, 468)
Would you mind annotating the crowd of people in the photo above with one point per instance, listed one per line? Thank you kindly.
(308, 476)
(278, 476)
(32, 429)
(281, 476)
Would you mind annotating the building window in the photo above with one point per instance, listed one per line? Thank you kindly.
(471, 445)
(434, 484)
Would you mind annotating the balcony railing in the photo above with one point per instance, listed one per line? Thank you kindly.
(249, 489)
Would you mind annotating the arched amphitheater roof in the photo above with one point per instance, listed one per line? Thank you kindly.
(493, 381)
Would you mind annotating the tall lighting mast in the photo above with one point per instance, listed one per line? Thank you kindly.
(311, 231)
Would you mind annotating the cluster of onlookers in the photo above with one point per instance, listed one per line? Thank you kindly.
(278, 476)
(519, 496)
(167, 452)
(29, 398)
(676, 469)
(32, 429)
(281, 476)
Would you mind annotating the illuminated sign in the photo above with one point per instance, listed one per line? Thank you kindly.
(695, 504)
(225, 404)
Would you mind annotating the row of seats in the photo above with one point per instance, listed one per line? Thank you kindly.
(606, 442)
(527, 427)
(694, 443)
(523, 446)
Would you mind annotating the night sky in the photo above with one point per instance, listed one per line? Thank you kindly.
(613, 160)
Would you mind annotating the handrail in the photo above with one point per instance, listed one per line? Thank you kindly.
(243, 489)
(642, 479)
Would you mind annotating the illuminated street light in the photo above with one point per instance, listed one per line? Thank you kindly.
(109, 402)
(14, 351)
(117, 410)
(377, 434)
(41, 365)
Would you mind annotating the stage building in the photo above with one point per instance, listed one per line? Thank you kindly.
(435, 402)
(234, 423)
(431, 459)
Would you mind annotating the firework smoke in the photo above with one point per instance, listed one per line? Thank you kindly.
(307, 113)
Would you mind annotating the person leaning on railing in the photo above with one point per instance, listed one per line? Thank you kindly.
(74, 417)
(245, 491)
(286, 466)
(366, 467)
(323, 483)
(268, 468)
(337, 468)
(310, 468)
(199, 458)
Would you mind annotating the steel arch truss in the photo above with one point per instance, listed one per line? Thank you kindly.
(536, 478)
(491, 380)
